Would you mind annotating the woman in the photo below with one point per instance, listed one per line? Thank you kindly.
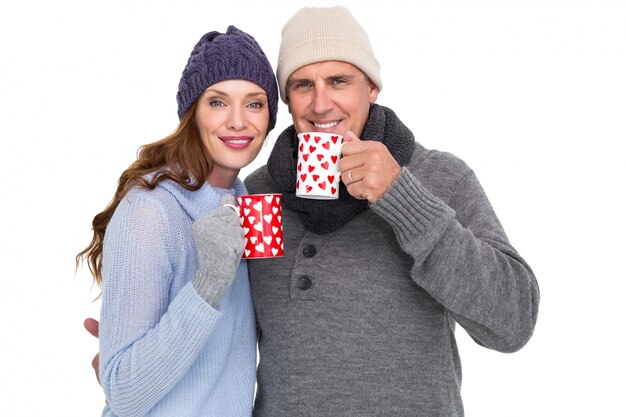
(177, 331)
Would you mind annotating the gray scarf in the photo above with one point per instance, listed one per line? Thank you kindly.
(325, 216)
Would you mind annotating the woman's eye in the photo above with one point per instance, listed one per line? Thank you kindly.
(216, 103)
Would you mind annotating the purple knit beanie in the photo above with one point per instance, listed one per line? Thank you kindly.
(233, 55)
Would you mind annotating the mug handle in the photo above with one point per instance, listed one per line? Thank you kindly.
(232, 206)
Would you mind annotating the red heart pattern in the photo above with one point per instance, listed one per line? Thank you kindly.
(261, 219)
(320, 154)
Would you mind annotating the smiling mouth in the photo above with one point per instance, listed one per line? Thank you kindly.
(237, 141)
(328, 125)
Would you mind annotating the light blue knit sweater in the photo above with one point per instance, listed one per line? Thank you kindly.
(164, 350)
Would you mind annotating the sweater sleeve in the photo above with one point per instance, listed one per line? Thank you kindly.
(147, 340)
(463, 258)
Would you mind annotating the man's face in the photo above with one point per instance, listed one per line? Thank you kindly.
(330, 96)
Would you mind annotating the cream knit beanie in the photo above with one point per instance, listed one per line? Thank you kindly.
(316, 34)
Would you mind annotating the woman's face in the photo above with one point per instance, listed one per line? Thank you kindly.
(232, 118)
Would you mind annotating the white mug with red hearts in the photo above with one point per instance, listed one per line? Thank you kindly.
(318, 173)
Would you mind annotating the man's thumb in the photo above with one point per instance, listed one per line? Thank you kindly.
(349, 136)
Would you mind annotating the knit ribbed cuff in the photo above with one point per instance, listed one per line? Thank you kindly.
(418, 218)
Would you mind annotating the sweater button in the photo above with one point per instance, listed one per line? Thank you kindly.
(309, 251)
(304, 283)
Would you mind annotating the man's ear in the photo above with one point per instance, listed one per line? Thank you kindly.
(373, 94)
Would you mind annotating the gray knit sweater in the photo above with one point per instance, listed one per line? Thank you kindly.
(360, 322)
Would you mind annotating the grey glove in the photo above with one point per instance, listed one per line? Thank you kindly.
(220, 243)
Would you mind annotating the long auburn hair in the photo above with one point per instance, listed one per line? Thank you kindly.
(185, 158)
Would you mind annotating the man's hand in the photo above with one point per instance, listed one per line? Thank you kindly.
(93, 327)
(367, 168)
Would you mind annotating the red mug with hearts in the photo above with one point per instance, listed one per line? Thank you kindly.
(262, 221)
(318, 173)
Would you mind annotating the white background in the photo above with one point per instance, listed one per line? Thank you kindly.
(531, 94)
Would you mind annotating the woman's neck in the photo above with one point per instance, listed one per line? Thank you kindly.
(222, 178)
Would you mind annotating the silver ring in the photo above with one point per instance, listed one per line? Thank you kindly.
(350, 176)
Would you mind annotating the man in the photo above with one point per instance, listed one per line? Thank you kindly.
(358, 317)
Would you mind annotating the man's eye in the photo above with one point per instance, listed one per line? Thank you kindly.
(302, 84)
